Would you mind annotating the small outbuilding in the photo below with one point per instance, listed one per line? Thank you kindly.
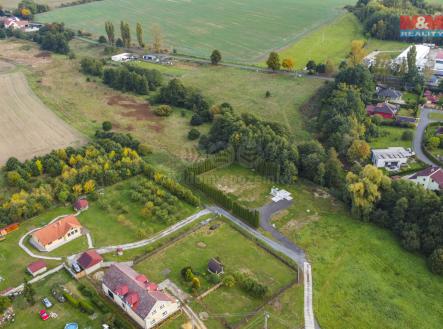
(90, 261)
(37, 268)
(81, 204)
(215, 266)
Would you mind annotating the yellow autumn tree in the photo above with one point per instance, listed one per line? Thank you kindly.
(357, 52)
(288, 64)
(359, 151)
(89, 186)
(39, 166)
(77, 190)
(365, 189)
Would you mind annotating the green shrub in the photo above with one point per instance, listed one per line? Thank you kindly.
(85, 307)
(435, 261)
(163, 111)
(407, 135)
(73, 301)
(193, 134)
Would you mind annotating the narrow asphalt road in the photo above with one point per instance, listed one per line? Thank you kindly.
(419, 134)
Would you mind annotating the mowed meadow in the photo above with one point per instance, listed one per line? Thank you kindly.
(242, 30)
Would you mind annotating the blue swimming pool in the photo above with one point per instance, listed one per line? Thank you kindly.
(71, 326)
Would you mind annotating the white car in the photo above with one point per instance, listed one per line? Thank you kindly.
(76, 268)
(47, 302)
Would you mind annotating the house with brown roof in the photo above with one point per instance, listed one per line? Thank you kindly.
(56, 234)
(430, 178)
(90, 261)
(137, 296)
(37, 268)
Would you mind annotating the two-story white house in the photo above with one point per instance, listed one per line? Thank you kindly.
(56, 234)
(430, 178)
(137, 296)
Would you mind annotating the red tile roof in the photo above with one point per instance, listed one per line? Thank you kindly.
(89, 259)
(36, 266)
(56, 230)
(81, 204)
(435, 173)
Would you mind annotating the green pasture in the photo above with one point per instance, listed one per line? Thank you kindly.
(241, 30)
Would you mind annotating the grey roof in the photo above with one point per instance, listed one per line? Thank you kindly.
(122, 275)
(215, 266)
(389, 93)
(406, 119)
(386, 108)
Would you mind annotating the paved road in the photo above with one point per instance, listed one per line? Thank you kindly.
(419, 134)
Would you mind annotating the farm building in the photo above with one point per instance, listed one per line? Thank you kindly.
(37, 268)
(391, 158)
(10, 228)
(430, 178)
(421, 58)
(438, 65)
(385, 109)
(90, 261)
(56, 234)
(125, 57)
(81, 204)
(141, 300)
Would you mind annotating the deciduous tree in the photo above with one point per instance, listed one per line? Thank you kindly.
(216, 57)
(288, 64)
(139, 31)
(273, 61)
(110, 32)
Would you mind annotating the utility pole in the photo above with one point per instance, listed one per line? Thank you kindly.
(266, 320)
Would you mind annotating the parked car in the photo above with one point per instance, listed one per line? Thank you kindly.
(59, 297)
(76, 268)
(43, 315)
(47, 302)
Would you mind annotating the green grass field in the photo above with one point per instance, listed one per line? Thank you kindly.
(333, 41)
(436, 116)
(237, 253)
(391, 137)
(51, 3)
(241, 30)
(246, 90)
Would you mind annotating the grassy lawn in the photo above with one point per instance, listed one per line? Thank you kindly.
(333, 41)
(15, 258)
(391, 137)
(362, 276)
(116, 219)
(242, 184)
(246, 90)
(27, 316)
(242, 31)
(436, 116)
(236, 252)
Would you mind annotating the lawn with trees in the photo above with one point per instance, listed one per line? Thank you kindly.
(198, 248)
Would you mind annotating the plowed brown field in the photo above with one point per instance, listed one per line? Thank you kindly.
(27, 127)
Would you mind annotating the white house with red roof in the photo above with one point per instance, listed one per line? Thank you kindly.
(56, 234)
(137, 296)
(430, 178)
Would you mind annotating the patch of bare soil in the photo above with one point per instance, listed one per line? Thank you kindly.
(279, 215)
(201, 245)
(296, 225)
(43, 54)
(318, 193)
(276, 305)
(226, 189)
(139, 111)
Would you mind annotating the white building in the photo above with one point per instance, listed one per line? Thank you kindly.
(391, 158)
(430, 178)
(125, 57)
(278, 195)
(56, 234)
(421, 59)
(138, 297)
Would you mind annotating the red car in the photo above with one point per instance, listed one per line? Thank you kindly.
(43, 315)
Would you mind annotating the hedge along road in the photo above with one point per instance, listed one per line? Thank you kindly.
(420, 132)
